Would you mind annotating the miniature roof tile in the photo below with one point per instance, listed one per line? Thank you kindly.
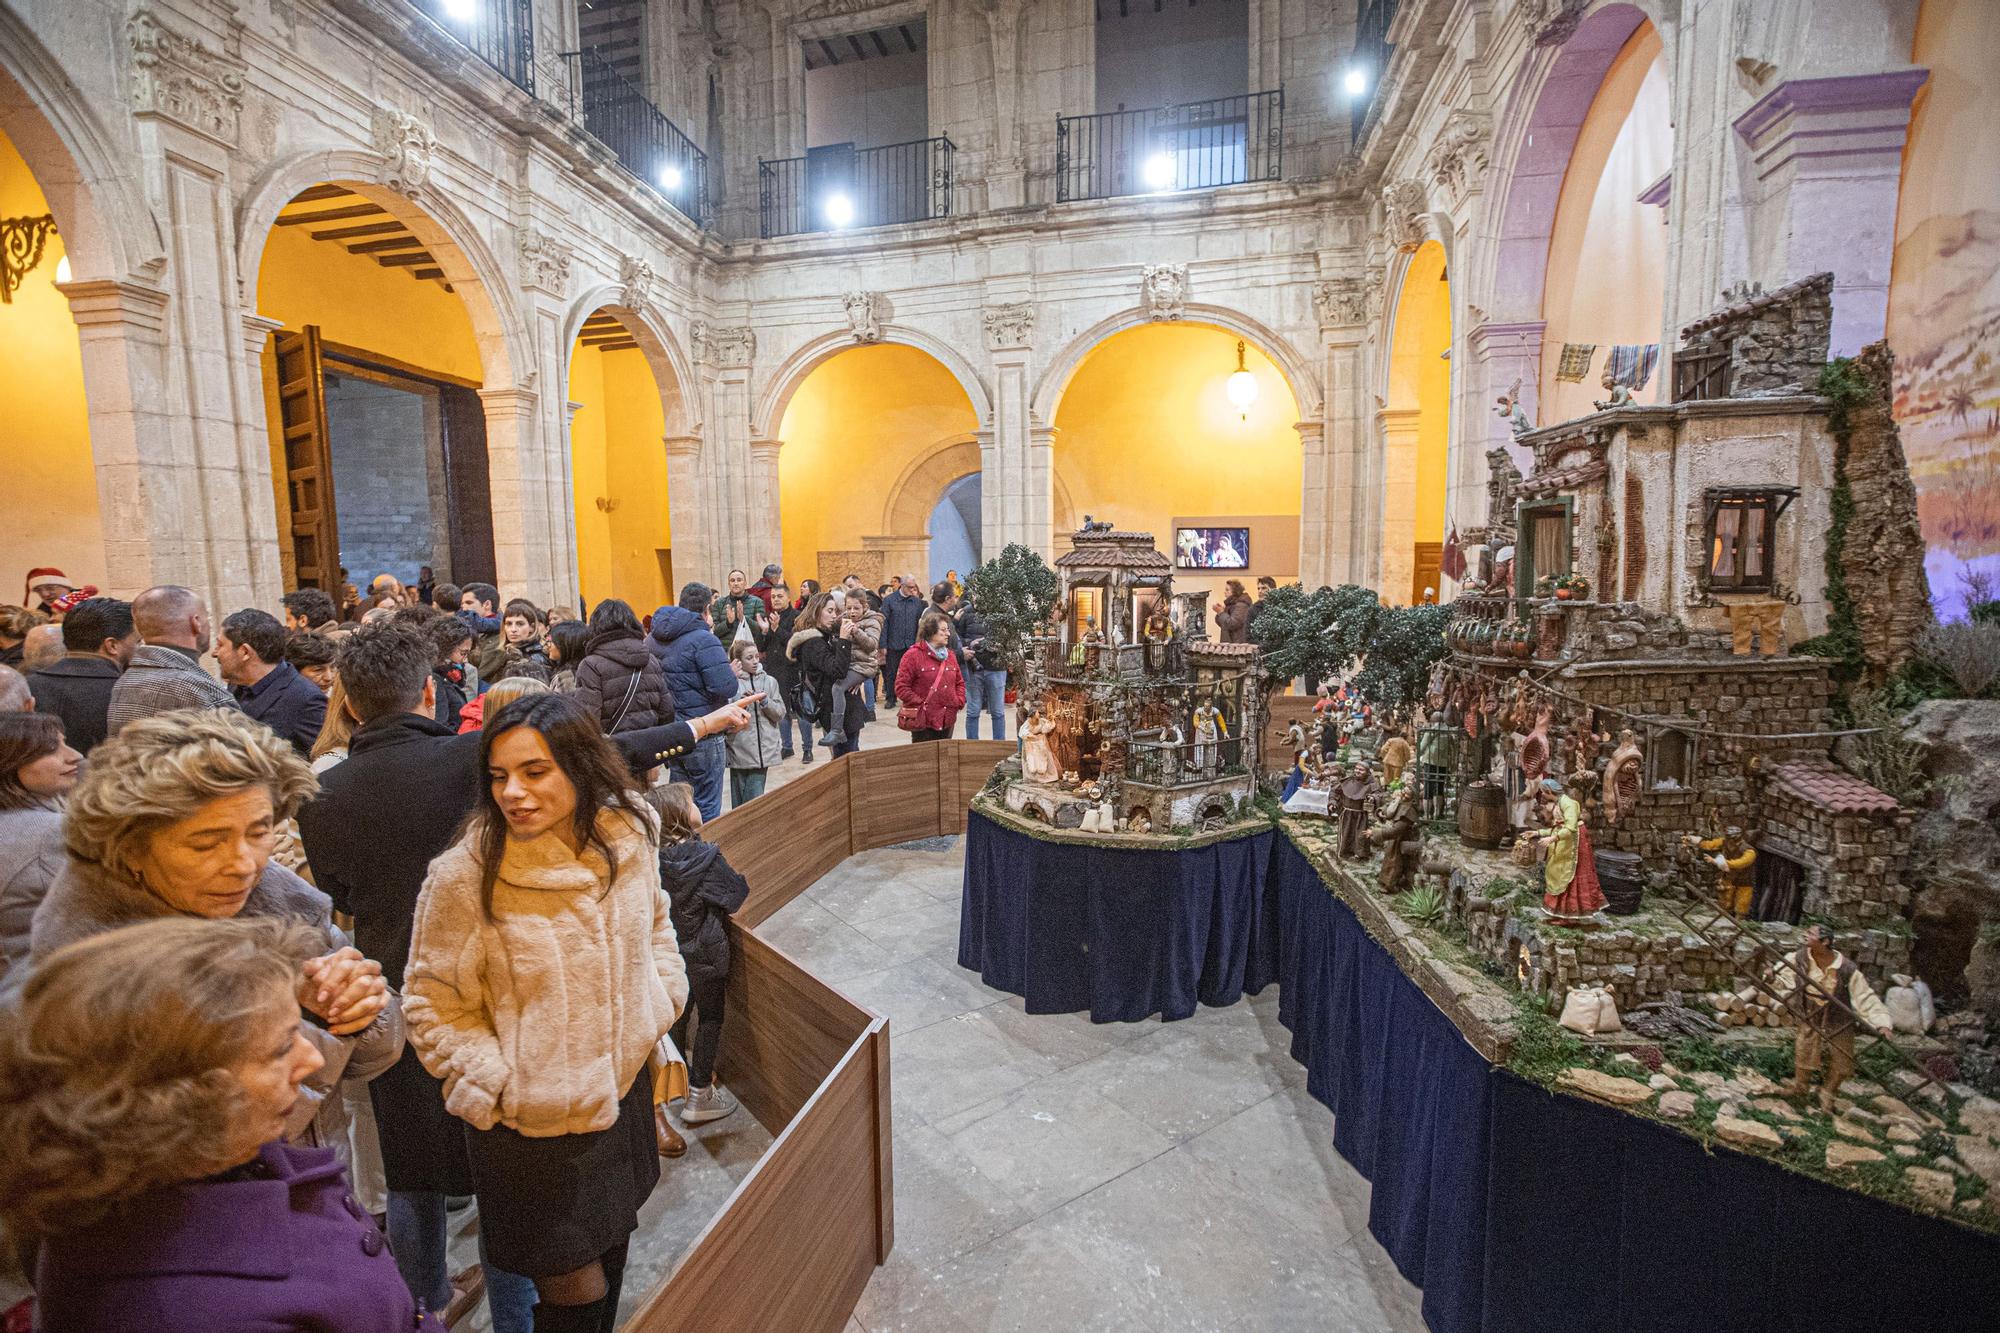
(1762, 301)
(1122, 550)
(1822, 783)
(1564, 478)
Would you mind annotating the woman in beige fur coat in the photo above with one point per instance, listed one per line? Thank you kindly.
(543, 969)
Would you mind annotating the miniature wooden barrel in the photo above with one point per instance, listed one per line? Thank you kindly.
(1618, 876)
(1482, 815)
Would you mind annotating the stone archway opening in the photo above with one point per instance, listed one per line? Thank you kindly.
(625, 407)
(1149, 437)
(372, 379)
(1416, 428)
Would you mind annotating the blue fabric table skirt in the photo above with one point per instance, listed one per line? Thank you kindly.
(1121, 934)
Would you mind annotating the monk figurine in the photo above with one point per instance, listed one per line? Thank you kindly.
(1038, 755)
(1394, 834)
(1621, 777)
(1357, 792)
(1569, 874)
(1736, 868)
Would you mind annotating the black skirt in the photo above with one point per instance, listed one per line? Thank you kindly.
(550, 1206)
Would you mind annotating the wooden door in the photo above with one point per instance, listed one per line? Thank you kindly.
(468, 489)
(315, 530)
(1427, 560)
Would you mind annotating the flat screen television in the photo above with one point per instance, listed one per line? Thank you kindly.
(1212, 548)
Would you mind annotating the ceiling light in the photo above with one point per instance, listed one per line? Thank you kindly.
(839, 210)
(1159, 172)
(62, 270)
(670, 178)
(1242, 386)
(1355, 81)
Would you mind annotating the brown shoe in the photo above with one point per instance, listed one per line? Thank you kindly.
(466, 1289)
(670, 1140)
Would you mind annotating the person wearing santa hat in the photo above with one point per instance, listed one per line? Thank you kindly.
(45, 585)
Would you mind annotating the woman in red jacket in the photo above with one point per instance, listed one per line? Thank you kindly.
(930, 687)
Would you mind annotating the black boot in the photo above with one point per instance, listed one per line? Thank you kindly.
(568, 1318)
(613, 1263)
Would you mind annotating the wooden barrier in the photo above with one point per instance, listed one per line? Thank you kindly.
(795, 1244)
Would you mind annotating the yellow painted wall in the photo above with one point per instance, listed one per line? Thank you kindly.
(1145, 431)
(1944, 296)
(858, 420)
(618, 452)
(1607, 251)
(48, 508)
(357, 301)
(1420, 382)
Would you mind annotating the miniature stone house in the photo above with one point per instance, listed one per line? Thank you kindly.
(1114, 696)
(1761, 343)
(1831, 846)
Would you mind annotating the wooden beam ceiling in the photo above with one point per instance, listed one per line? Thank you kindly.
(382, 237)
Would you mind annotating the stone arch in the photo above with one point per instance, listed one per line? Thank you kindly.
(907, 508)
(792, 372)
(657, 343)
(1296, 368)
(481, 282)
(1545, 113)
(109, 230)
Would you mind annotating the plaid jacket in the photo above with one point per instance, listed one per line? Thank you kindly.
(160, 680)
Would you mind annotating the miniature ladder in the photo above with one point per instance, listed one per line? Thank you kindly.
(1762, 956)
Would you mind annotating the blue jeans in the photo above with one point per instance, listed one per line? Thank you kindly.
(745, 784)
(418, 1238)
(702, 768)
(868, 692)
(985, 690)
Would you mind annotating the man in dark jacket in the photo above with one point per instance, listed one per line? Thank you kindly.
(479, 607)
(251, 653)
(901, 610)
(98, 640)
(699, 678)
(766, 588)
(382, 814)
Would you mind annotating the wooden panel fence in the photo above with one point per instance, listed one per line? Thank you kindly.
(798, 1239)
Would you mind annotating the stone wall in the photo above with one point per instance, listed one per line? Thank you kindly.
(1852, 862)
(1883, 555)
(1777, 340)
(387, 459)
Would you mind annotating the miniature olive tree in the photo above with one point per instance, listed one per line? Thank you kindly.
(1406, 643)
(1315, 635)
(1016, 592)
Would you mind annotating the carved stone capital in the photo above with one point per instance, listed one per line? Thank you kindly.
(636, 277)
(182, 80)
(406, 145)
(1458, 158)
(1009, 326)
(1404, 204)
(864, 315)
(1340, 301)
(724, 349)
(1163, 290)
(545, 262)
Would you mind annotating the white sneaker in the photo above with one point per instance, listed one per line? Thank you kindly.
(713, 1102)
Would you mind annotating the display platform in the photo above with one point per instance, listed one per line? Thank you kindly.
(1120, 933)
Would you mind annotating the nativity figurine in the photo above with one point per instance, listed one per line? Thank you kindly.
(1356, 794)
(1396, 834)
(1038, 755)
(1210, 729)
(1569, 872)
(1829, 997)
(1735, 862)
(1621, 777)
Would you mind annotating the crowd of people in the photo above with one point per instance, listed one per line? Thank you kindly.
(404, 907)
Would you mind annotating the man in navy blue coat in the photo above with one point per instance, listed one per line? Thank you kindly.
(697, 669)
(251, 652)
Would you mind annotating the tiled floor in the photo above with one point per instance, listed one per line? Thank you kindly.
(1053, 1173)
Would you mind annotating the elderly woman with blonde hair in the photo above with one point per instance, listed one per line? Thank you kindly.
(177, 816)
(147, 1077)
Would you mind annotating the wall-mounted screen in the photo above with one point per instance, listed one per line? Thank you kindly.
(1212, 548)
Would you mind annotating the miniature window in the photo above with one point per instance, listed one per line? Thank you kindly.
(1544, 546)
(1670, 758)
(1740, 529)
(1085, 605)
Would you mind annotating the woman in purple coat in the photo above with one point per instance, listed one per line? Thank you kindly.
(146, 1075)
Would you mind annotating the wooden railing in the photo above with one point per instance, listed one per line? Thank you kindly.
(799, 1238)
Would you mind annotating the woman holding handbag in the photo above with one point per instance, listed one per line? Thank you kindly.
(543, 970)
(930, 686)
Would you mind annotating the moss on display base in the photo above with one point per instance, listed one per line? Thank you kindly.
(993, 807)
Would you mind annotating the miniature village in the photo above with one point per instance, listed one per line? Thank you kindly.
(1615, 839)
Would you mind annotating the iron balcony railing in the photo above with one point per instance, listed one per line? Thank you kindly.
(839, 187)
(1370, 60)
(1192, 146)
(649, 145)
(500, 32)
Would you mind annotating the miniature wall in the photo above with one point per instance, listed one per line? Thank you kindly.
(618, 454)
(1607, 251)
(1145, 431)
(1851, 862)
(49, 514)
(852, 428)
(1944, 296)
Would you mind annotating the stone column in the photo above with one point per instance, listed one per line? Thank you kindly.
(518, 500)
(1397, 558)
(766, 534)
(1016, 452)
(1501, 354)
(1317, 519)
(1338, 527)
(687, 505)
(734, 521)
(259, 445)
(1827, 157)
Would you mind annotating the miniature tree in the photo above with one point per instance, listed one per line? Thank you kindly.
(1312, 634)
(1406, 643)
(1015, 591)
